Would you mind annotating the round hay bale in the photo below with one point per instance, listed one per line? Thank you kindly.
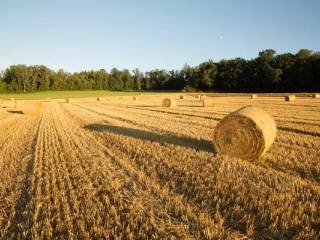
(246, 133)
(30, 108)
(181, 97)
(168, 102)
(290, 98)
(316, 95)
(67, 100)
(254, 96)
(207, 101)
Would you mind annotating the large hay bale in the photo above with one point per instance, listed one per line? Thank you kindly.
(316, 95)
(168, 102)
(246, 133)
(254, 96)
(207, 101)
(290, 98)
(30, 108)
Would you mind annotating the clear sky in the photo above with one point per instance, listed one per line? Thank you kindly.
(82, 35)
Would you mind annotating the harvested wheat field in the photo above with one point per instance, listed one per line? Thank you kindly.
(123, 169)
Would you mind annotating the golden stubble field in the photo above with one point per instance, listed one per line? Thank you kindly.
(120, 168)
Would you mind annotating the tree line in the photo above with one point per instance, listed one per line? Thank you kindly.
(268, 72)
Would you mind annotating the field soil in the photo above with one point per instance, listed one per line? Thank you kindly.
(120, 168)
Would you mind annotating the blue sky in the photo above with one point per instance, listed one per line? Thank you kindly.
(83, 35)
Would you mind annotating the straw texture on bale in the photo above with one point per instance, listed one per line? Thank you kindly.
(316, 95)
(30, 108)
(254, 96)
(246, 133)
(207, 101)
(290, 98)
(168, 102)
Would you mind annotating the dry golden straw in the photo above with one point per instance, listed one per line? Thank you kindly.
(30, 108)
(290, 98)
(207, 101)
(168, 102)
(246, 133)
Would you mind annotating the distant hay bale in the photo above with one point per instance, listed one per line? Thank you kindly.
(316, 95)
(168, 102)
(30, 108)
(67, 100)
(254, 96)
(290, 98)
(181, 97)
(207, 101)
(134, 98)
(98, 99)
(202, 96)
(246, 133)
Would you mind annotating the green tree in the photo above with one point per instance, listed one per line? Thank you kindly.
(207, 73)
(137, 79)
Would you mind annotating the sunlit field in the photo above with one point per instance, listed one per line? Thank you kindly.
(120, 168)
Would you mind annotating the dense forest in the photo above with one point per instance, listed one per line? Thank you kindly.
(268, 72)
